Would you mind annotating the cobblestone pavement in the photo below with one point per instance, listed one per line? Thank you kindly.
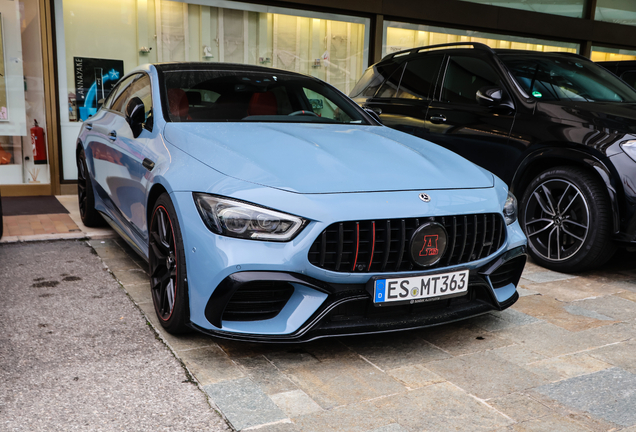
(561, 359)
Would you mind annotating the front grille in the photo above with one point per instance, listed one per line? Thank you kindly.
(258, 301)
(508, 272)
(383, 245)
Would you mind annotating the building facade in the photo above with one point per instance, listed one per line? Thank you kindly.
(61, 57)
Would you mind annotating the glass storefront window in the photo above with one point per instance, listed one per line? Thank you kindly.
(100, 41)
(618, 12)
(23, 135)
(611, 54)
(569, 8)
(400, 36)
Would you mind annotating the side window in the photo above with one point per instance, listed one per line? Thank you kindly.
(418, 80)
(390, 87)
(121, 93)
(368, 84)
(629, 77)
(141, 88)
(464, 76)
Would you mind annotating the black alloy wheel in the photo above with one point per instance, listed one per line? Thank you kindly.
(85, 194)
(566, 216)
(167, 268)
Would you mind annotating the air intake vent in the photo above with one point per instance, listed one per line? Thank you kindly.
(508, 272)
(383, 245)
(259, 300)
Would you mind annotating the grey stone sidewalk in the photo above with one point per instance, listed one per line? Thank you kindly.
(562, 359)
(76, 354)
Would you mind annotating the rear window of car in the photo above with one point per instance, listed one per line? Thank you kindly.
(221, 96)
(552, 78)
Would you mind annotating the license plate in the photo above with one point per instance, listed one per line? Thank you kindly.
(417, 289)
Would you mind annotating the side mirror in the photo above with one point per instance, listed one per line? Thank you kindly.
(136, 115)
(489, 96)
(374, 114)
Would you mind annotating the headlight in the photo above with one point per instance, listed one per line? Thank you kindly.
(238, 219)
(510, 209)
(629, 147)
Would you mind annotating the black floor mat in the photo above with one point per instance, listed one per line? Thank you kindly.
(31, 205)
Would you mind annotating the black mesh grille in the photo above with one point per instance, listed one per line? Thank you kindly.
(258, 301)
(383, 245)
(508, 272)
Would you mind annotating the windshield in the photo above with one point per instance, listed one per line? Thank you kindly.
(552, 78)
(222, 96)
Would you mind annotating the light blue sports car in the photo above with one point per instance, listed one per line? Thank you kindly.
(270, 207)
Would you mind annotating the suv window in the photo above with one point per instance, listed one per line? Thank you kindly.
(561, 78)
(390, 87)
(418, 80)
(464, 76)
(368, 84)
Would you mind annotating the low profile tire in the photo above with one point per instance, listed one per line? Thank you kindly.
(168, 281)
(567, 217)
(86, 197)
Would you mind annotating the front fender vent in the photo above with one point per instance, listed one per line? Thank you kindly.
(380, 246)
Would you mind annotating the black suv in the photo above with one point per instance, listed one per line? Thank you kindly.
(560, 130)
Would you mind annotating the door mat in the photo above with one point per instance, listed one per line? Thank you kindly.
(31, 205)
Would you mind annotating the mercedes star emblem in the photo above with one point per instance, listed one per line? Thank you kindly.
(425, 197)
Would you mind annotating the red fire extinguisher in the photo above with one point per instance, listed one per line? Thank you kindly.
(38, 143)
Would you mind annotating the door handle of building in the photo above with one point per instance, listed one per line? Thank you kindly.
(112, 135)
(89, 126)
(437, 119)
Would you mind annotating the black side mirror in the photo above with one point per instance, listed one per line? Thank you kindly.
(136, 115)
(374, 114)
(489, 96)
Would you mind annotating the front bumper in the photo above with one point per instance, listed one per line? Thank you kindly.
(224, 272)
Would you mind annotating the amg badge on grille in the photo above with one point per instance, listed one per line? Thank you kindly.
(428, 244)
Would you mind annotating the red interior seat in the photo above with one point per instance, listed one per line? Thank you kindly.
(178, 103)
(263, 104)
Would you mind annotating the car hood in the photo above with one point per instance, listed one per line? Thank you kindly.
(318, 158)
(612, 116)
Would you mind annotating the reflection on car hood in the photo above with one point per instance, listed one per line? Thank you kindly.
(318, 158)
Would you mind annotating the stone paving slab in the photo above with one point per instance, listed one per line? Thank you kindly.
(503, 371)
(613, 397)
(243, 403)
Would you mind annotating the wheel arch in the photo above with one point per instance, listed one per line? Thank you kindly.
(546, 158)
(155, 192)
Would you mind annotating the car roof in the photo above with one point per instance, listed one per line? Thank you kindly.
(203, 66)
(472, 46)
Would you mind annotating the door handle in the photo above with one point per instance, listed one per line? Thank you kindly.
(112, 135)
(89, 126)
(437, 119)
(148, 164)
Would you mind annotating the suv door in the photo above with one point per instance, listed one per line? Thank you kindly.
(458, 122)
(403, 100)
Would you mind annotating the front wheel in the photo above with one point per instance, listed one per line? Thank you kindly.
(168, 282)
(567, 217)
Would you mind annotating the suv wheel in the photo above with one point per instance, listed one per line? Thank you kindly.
(567, 217)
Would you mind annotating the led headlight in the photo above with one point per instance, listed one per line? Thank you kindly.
(629, 147)
(238, 219)
(510, 209)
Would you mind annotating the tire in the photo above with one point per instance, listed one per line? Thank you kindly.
(85, 195)
(567, 217)
(168, 282)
